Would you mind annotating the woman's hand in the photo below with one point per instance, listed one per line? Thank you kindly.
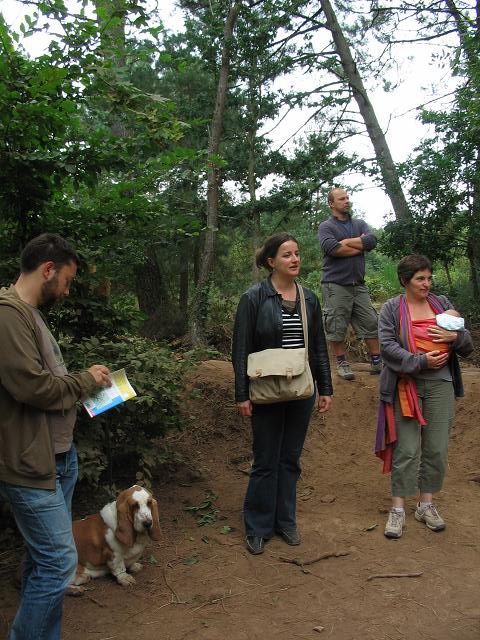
(245, 408)
(324, 403)
(436, 359)
(438, 334)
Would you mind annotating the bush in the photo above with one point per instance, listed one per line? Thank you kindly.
(222, 311)
(125, 440)
(461, 296)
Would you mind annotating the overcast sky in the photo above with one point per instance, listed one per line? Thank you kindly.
(396, 111)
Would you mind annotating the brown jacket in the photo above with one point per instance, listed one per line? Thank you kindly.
(28, 391)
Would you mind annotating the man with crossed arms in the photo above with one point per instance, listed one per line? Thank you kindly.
(346, 299)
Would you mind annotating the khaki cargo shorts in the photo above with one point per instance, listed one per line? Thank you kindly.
(348, 304)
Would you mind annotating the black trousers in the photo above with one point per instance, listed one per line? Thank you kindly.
(279, 432)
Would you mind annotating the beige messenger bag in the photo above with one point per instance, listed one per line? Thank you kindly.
(281, 375)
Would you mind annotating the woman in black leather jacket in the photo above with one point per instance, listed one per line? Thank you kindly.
(268, 316)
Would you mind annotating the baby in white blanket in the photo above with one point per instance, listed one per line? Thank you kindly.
(450, 320)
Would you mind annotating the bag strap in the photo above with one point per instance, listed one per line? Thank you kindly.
(304, 319)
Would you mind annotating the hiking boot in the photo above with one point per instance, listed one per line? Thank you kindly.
(344, 371)
(376, 369)
(430, 516)
(395, 524)
(255, 544)
(290, 536)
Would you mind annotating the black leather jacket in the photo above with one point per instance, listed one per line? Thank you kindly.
(258, 326)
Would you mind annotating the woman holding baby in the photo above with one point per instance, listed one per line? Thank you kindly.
(420, 337)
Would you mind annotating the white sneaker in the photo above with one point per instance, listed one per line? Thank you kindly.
(344, 371)
(395, 524)
(430, 516)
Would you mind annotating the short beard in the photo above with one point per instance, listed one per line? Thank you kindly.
(49, 294)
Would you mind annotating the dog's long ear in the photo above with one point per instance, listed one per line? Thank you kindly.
(154, 531)
(124, 531)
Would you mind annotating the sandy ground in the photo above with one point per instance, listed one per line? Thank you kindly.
(201, 583)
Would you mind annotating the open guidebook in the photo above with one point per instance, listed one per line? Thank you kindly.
(109, 397)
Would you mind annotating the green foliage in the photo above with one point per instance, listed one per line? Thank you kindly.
(457, 286)
(382, 286)
(37, 116)
(381, 274)
(445, 190)
(221, 312)
(127, 440)
(206, 512)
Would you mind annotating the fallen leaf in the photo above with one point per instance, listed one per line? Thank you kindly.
(224, 530)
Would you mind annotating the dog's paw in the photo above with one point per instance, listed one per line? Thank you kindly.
(74, 590)
(80, 578)
(125, 579)
(135, 567)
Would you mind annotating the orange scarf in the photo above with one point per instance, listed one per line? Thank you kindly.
(407, 396)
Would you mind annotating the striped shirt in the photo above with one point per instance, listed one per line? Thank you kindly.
(292, 337)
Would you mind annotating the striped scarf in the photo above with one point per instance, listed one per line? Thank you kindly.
(407, 389)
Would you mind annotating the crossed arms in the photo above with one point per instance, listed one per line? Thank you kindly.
(350, 247)
(347, 247)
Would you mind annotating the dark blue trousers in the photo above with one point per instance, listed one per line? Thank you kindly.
(279, 432)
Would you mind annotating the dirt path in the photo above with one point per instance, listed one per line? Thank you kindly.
(200, 582)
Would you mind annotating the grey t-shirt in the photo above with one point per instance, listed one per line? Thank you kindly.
(61, 423)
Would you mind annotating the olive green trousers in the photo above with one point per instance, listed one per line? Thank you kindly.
(420, 453)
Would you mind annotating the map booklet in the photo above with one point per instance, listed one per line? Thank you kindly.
(109, 397)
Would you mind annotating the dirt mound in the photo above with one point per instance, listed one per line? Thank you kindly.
(201, 583)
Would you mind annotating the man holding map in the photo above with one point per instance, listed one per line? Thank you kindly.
(38, 461)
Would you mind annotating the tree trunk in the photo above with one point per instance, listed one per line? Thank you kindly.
(253, 106)
(111, 15)
(200, 306)
(255, 213)
(382, 152)
(149, 286)
(468, 44)
(449, 276)
(186, 252)
(255, 219)
(473, 261)
(474, 239)
(112, 29)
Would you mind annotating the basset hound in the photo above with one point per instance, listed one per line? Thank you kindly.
(113, 540)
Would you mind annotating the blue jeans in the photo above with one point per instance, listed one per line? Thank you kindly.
(279, 432)
(44, 519)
